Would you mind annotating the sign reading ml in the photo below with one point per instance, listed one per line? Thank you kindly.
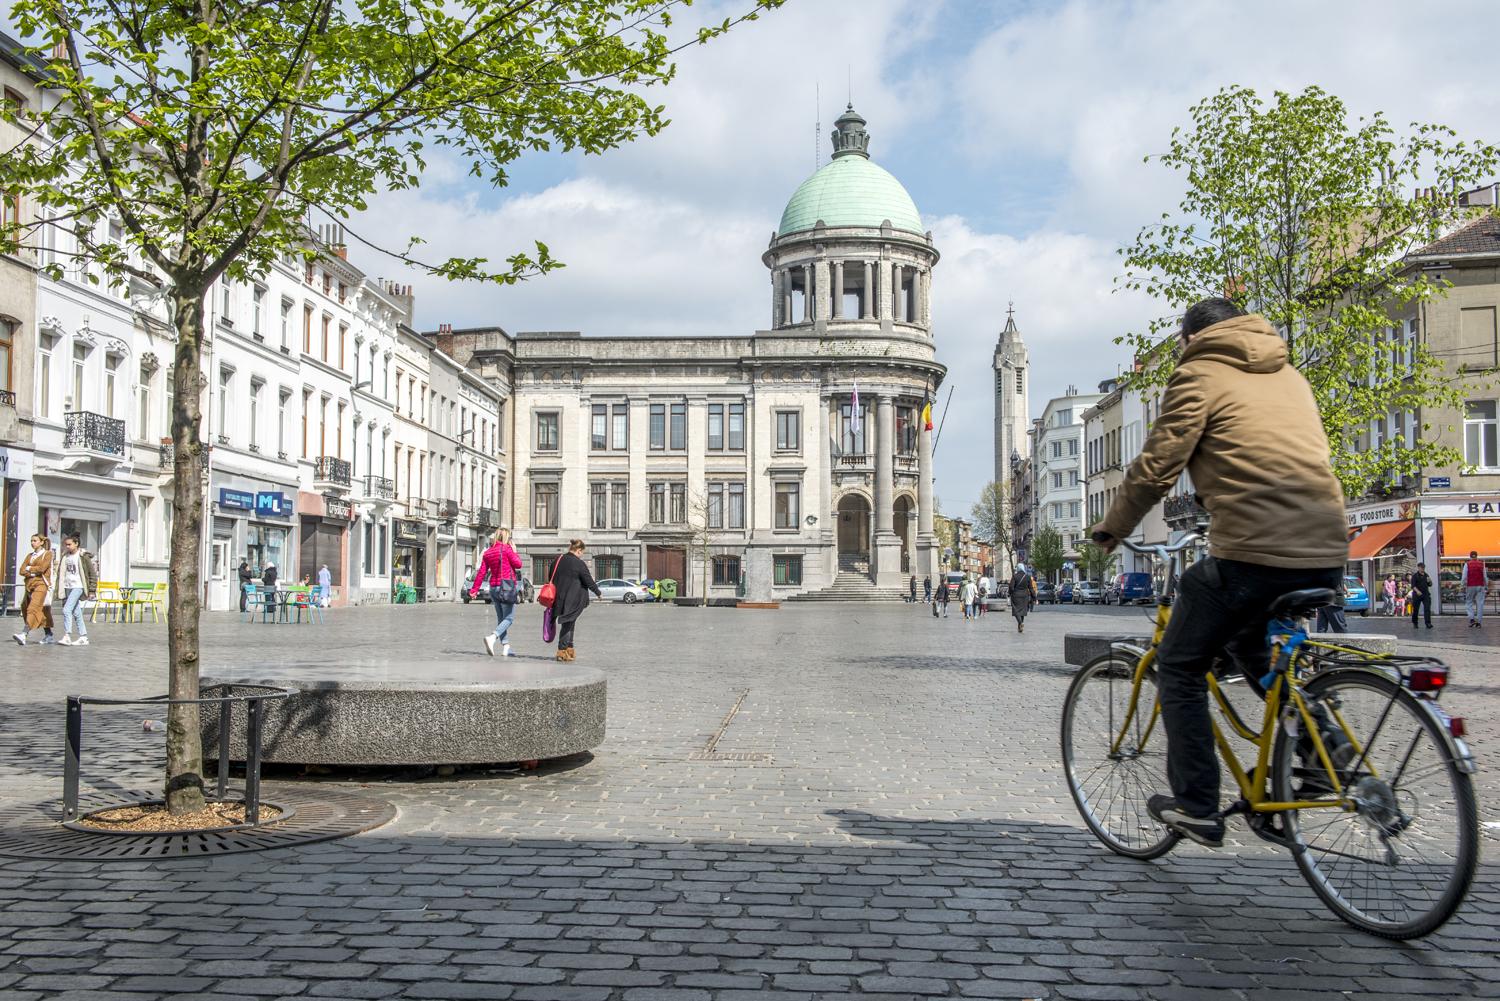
(272, 505)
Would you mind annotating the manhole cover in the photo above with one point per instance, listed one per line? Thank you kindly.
(321, 813)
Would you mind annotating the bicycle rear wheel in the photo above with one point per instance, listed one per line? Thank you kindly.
(1400, 863)
(1110, 787)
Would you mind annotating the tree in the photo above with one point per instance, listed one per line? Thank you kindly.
(1095, 563)
(992, 519)
(205, 133)
(1047, 552)
(1296, 212)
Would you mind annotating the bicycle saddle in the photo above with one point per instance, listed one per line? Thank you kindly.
(1301, 603)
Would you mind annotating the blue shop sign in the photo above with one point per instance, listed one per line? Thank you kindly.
(238, 500)
(275, 505)
(1439, 482)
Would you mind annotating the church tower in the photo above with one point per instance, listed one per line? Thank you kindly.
(1012, 397)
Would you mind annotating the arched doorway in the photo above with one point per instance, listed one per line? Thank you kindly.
(901, 516)
(854, 529)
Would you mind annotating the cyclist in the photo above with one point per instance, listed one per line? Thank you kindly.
(1243, 423)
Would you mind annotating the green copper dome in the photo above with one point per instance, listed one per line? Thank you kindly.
(850, 190)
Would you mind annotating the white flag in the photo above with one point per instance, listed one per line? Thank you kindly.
(854, 412)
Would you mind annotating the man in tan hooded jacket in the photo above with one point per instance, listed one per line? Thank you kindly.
(1244, 424)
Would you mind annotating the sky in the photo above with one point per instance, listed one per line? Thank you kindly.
(1020, 130)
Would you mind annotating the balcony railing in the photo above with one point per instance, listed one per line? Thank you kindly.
(906, 462)
(7, 398)
(329, 469)
(1182, 510)
(854, 461)
(447, 509)
(90, 432)
(487, 517)
(380, 486)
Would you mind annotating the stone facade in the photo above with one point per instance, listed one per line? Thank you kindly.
(1058, 464)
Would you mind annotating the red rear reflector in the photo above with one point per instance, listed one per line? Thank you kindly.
(1456, 726)
(1427, 679)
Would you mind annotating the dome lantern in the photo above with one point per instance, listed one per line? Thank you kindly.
(849, 135)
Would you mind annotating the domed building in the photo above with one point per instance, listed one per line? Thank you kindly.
(788, 462)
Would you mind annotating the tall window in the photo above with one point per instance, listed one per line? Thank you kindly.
(286, 322)
(906, 431)
(788, 505)
(339, 449)
(716, 505)
(343, 336)
(1480, 436)
(546, 431)
(726, 570)
(619, 505)
(599, 428)
(786, 569)
(111, 369)
(306, 418)
(678, 437)
(257, 301)
(677, 495)
(598, 505)
(658, 425)
(44, 377)
(281, 423)
(620, 431)
(224, 303)
(656, 507)
(788, 430)
(307, 312)
(544, 505)
(80, 359)
(325, 318)
(716, 426)
(736, 505)
(226, 376)
(852, 434)
(143, 517)
(7, 345)
(255, 387)
(143, 418)
(736, 427)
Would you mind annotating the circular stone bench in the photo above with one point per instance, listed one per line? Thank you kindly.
(1081, 648)
(420, 713)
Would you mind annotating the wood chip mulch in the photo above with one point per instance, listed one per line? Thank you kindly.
(154, 818)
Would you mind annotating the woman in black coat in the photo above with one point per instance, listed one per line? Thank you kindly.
(573, 582)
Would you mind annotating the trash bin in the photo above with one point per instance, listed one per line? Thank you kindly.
(668, 589)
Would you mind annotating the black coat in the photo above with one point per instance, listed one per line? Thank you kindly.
(246, 574)
(573, 582)
(1421, 583)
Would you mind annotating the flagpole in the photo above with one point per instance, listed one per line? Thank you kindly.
(946, 404)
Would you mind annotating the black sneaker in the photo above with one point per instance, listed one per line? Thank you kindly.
(1208, 831)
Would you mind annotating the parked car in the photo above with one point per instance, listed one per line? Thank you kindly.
(526, 592)
(1046, 593)
(1356, 598)
(1065, 593)
(1088, 592)
(1129, 589)
(628, 591)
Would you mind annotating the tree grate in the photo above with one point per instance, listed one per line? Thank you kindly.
(320, 813)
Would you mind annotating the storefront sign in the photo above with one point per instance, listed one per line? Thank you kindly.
(1398, 511)
(273, 505)
(338, 509)
(15, 464)
(1469, 507)
(410, 533)
(237, 500)
(1439, 482)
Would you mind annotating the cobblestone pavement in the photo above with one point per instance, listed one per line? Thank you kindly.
(886, 818)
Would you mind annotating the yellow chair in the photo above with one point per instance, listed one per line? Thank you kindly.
(108, 596)
(156, 601)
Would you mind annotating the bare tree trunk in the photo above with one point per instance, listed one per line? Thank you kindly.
(184, 779)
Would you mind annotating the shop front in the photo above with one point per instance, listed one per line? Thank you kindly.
(251, 522)
(97, 511)
(1460, 526)
(323, 527)
(408, 561)
(1385, 539)
(15, 491)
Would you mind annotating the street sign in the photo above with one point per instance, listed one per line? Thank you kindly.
(239, 500)
(1439, 482)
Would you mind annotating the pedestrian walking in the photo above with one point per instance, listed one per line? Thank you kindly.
(573, 581)
(913, 598)
(1391, 589)
(1331, 617)
(36, 577)
(942, 596)
(75, 578)
(247, 577)
(325, 586)
(981, 604)
(1421, 596)
(1022, 595)
(927, 589)
(966, 598)
(1475, 582)
(268, 581)
(499, 564)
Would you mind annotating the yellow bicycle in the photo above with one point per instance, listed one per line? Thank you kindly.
(1357, 769)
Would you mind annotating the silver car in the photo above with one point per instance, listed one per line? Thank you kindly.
(1088, 592)
(628, 591)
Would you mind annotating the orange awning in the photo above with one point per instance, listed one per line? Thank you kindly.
(1375, 538)
(1463, 537)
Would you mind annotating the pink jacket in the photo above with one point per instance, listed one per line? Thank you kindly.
(500, 562)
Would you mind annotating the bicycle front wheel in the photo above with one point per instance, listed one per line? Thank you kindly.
(1110, 784)
(1400, 861)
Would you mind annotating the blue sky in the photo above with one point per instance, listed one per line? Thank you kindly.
(1018, 128)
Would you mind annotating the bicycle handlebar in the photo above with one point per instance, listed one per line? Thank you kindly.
(1163, 552)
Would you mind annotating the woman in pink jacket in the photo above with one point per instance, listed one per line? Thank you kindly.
(499, 565)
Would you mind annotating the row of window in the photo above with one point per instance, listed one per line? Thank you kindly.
(722, 506)
(1065, 509)
(609, 428)
(786, 568)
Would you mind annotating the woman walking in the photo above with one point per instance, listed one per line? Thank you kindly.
(36, 573)
(1390, 594)
(1022, 596)
(499, 565)
(75, 580)
(573, 581)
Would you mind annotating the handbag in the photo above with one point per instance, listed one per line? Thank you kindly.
(549, 630)
(505, 591)
(548, 594)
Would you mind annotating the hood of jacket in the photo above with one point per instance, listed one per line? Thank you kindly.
(1248, 343)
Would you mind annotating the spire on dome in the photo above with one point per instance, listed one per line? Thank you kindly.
(849, 135)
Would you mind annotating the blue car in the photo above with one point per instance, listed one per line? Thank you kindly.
(1065, 593)
(1357, 599)
(1129, 589)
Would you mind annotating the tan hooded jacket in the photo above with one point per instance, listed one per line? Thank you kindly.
(1244, 424)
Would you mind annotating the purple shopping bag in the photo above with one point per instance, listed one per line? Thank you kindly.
(549, 628)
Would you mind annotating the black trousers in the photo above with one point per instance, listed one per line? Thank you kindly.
(565, 634)
(1220, 608)
(1422, 603)
(244, 597)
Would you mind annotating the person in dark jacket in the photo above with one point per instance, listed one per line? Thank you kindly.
(927, 589)
(247, 577)
(943, 596)
(1022, 596)
(1421, 596)
(913, 598)
(269, 580)
(573, 582)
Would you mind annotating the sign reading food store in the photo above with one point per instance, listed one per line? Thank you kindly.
(1394, 511)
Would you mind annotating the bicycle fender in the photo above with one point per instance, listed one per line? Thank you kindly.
(1458, 748)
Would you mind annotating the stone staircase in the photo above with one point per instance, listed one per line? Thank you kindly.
(852, 583)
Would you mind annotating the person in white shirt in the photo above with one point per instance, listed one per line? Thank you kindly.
(76, 577)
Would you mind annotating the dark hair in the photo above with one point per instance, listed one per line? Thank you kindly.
(1473, 554)
(1204, 314)
(75, 540)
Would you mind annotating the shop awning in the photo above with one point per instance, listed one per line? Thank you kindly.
(1375, 538)
(1461, 537)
